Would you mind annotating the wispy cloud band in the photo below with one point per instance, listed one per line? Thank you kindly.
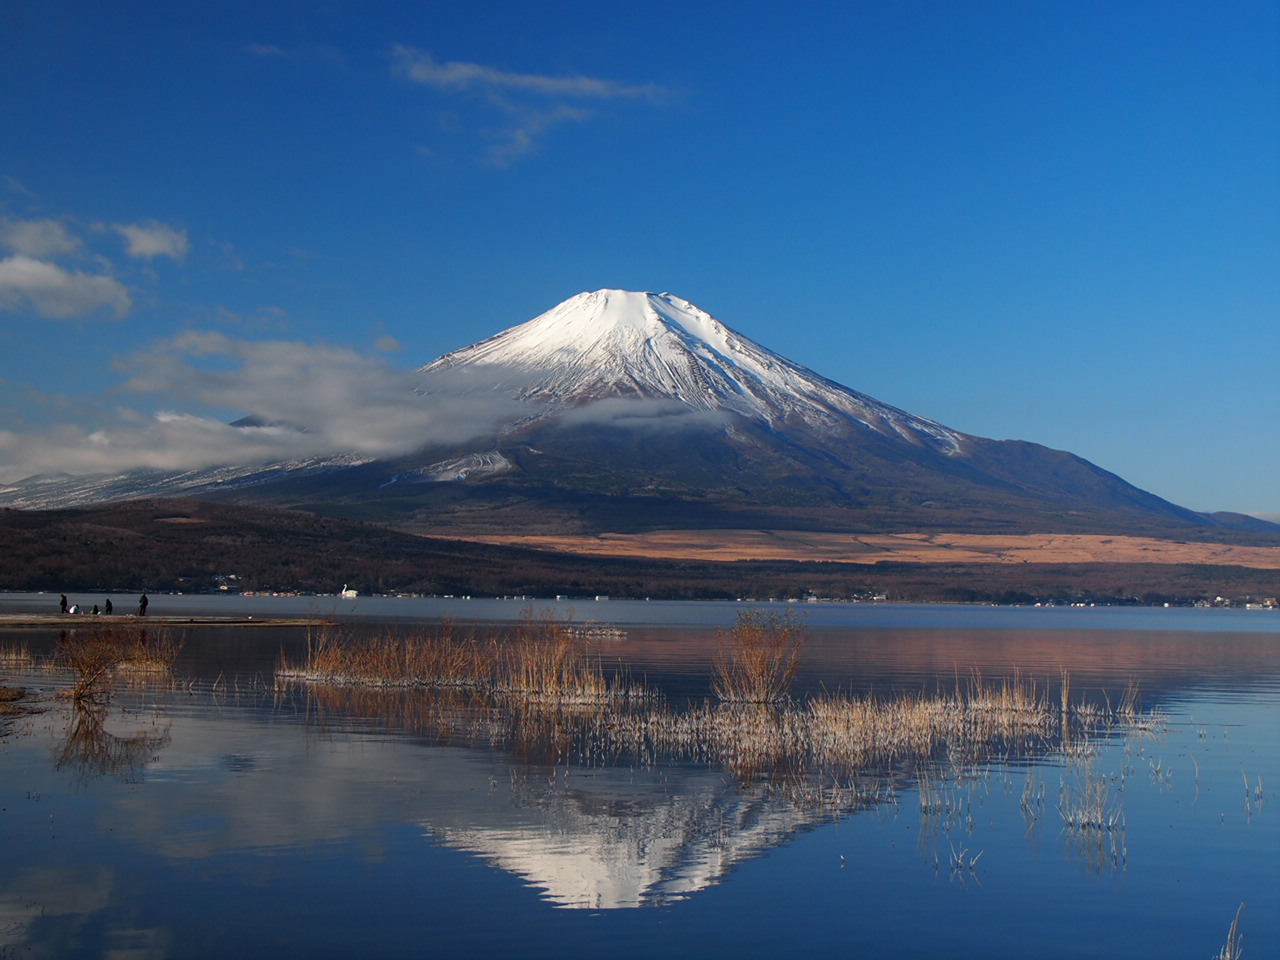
(531, 105)
(421, 67)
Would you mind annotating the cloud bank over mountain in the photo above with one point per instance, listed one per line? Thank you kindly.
(302, 400)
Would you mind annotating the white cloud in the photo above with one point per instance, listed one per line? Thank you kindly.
(26, 282)
(524, 136)
(14, 185)
(306, 400)
(37, 238)
(153, 239)
(530, 105)
(421, 67)
(265, 50)
(636, 413)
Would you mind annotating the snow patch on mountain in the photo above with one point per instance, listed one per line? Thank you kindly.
(473, 465)
(47, 493)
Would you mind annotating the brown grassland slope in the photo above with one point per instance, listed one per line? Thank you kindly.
(950, 548)
(198, 546)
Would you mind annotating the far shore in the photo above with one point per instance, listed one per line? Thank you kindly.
(132, 620)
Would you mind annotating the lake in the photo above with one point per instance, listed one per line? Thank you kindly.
(217, 813)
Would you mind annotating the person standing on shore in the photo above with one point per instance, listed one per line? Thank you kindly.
(142, 605)
(63, 609)
(107, 607)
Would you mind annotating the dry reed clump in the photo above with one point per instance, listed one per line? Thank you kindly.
(545, 663)
(1232, 949)
(97, 657)
(542, 663)
(16, 656)
(837, 738)
(1093, 815)
(1088, 803)
(440, 659)
(549, 662)
(757, 660)
(970, 725)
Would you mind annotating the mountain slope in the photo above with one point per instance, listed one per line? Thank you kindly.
(640, 395)
(628, 411)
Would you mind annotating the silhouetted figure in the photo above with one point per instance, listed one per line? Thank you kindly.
(108, 607)
(63, 609)
(95, 609)
(142, 605)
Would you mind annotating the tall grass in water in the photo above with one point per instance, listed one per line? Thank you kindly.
(16, 656)
(1093, 814)
(546, 662)
(1087, 802)
(539, 689)
(1232, 949)
(757, 660)
(543, 661)
(837, 738)
(442, 658)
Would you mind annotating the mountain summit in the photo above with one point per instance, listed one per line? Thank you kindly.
(657, 347)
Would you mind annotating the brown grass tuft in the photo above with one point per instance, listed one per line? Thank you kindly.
(756, 661)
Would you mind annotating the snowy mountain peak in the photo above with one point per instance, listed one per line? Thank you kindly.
(619, 344)
(603, 314)
(619, 326)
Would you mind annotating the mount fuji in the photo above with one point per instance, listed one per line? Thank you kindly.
(625, 411)
(655, 355)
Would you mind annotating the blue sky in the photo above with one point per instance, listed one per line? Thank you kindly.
(1057, 222)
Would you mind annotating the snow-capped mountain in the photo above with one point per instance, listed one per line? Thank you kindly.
(619, 410)
(643, 400)
(655, 346)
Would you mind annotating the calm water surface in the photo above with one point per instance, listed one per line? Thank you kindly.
(217, 817)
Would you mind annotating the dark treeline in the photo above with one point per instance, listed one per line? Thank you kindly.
(196, 546)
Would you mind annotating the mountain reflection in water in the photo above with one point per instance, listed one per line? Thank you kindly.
(612, 839)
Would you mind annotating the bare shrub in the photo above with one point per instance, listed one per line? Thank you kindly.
(756, 661)
(98, 656)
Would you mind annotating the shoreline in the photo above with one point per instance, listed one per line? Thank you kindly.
(115, 620)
